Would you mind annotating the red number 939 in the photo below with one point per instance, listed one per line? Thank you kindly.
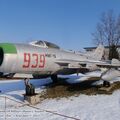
(34, 60)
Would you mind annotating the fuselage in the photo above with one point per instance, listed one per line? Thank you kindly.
(29, 59)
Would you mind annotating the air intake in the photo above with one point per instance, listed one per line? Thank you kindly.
(1, 56)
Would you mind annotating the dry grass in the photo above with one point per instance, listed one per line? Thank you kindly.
(64, 89)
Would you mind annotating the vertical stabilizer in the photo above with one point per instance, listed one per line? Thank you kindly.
(99, 53)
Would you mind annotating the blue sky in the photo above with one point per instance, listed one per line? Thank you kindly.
(68, 23)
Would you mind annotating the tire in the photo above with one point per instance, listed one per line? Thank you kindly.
(54, 78)
(106, 84)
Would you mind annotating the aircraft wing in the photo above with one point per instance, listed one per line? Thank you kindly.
(114, 64)
(108, 65)
(71, 63)
(83, 64)
(71, 66)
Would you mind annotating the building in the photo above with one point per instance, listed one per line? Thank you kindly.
(92, 49)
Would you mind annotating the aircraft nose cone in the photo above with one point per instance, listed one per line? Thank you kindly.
(1, 56)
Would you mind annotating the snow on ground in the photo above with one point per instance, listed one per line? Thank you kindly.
(83, 107)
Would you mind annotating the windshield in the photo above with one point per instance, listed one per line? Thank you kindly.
(40, 43)
(51, 45)
(45, 44)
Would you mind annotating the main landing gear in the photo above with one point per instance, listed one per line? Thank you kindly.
(106, 84)
(54, 78)
(30, 89)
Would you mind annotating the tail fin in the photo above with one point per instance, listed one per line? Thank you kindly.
(99, 53)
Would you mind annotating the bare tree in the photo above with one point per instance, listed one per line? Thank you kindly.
(108, 30)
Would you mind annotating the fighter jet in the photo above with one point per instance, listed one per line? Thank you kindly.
(41, 59)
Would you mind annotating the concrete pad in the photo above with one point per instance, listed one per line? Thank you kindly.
(34, 99)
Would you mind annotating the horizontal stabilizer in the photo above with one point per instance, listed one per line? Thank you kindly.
(115, 62)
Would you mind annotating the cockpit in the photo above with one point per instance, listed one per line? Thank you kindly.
(44, 44)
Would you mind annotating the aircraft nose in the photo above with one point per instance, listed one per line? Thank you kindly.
(6, 50)
(1, 56)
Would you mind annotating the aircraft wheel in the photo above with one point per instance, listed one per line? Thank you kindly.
(106, 84)
(54, 78)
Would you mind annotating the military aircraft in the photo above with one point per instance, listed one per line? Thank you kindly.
(41, 59)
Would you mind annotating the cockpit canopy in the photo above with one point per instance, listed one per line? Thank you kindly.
(44, 44)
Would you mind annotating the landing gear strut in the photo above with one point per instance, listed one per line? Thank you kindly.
(30, 89)
(54, 79)
(106, 84)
